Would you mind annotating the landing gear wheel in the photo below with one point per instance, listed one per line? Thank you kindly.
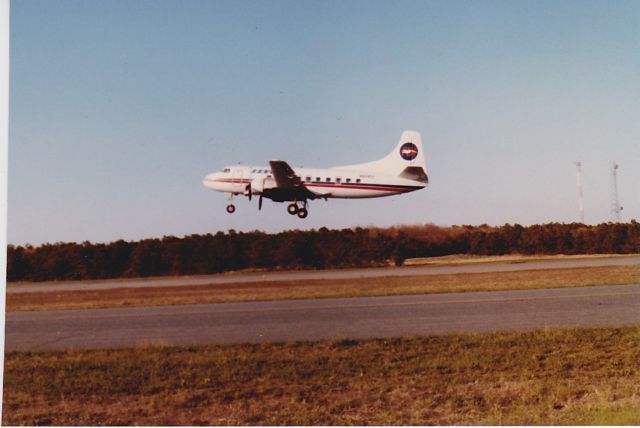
(302, 213)
(293, 209)
(231, 208)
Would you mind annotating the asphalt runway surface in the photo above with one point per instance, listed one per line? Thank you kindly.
(323, 274)
(357, 318)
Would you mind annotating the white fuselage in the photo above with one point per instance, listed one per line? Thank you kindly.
(327, 183)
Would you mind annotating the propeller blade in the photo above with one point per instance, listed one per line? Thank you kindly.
(260, 203)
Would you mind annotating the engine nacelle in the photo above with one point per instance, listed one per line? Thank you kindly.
(259, 185)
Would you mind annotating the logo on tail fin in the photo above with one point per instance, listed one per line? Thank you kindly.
(408, 151)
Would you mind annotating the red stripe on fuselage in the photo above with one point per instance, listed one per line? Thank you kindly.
(231, 180)
(380, 187)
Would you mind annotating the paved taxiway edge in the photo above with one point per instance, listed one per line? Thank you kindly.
(231, 278)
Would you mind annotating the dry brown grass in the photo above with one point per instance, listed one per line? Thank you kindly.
(576, 376)
(466, 259)
(275, 290)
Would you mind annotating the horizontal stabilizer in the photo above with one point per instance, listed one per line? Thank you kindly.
(415, 173)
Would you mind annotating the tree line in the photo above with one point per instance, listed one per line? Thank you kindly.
(311, 249)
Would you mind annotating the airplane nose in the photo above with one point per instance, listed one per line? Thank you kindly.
(208, 180)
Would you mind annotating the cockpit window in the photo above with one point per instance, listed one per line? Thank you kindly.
(226, 170)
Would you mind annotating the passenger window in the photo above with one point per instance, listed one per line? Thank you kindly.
(338, 180)
(328, 180)
(357, 180)
(307, 179)
(348, 180)
(317, 178)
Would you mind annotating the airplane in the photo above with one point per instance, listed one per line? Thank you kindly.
(401, 171)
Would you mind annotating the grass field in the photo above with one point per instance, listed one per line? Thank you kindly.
(275, 290)
(576, 376)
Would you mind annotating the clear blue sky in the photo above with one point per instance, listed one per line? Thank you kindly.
(119, 108)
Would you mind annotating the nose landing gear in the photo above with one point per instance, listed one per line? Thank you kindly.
(300, 211)
(230, 207)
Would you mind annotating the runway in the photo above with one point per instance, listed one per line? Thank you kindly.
(276, 321)
(237, 277)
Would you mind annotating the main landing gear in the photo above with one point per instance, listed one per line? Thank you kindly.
(301, 211)
(295, 208)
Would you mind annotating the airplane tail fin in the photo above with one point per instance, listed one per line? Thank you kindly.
(407, 154)
(405, 160)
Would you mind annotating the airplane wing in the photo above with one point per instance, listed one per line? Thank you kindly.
(285, 177)
(288, 180)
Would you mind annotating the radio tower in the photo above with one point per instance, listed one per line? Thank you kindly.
(615, 205)
(579, 183)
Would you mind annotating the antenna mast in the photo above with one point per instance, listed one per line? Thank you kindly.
(579, 183)
(615, 205)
